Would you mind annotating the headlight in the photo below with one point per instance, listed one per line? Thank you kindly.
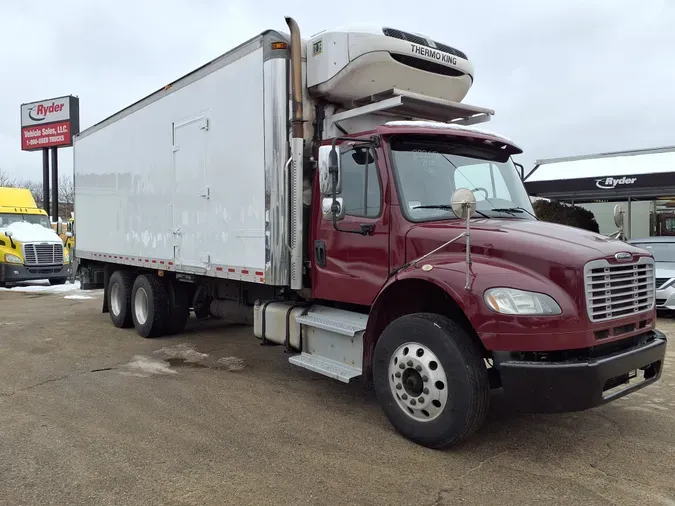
(12, 259)
(519, 302)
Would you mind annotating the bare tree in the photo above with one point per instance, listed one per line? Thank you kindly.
(6, 179)
(66, 189)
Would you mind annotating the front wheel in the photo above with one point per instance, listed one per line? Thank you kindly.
(431, 380)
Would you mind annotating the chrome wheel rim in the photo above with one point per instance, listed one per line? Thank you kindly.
(418, 382)
(141, 306)
(115, 299)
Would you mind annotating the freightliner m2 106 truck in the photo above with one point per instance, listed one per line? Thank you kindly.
(335, 194)
(29, 248)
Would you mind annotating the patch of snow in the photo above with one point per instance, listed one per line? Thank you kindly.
(232, 364)
(23, 231)
(42, 288)
(449, 126)
(77, 297)
(144, 367)
(182, 351)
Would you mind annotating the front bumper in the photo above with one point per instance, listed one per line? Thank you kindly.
(576, 385)
(14, 273)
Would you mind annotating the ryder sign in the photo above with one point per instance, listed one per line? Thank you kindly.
(50, 123)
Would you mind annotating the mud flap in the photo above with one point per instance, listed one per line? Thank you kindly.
(107, 272)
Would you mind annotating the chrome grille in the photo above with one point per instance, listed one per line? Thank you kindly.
(42, 254)
(619, 290)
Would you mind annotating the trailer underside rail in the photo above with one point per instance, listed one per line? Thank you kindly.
(410, 105)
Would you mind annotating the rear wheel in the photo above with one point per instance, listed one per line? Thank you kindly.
(430, 379)
(149, 305)
(119, 298)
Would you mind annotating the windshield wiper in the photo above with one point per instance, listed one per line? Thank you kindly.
(513, 210)
(446, 207)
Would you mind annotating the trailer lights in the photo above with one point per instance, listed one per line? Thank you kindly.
(512, 301)
(279, 45)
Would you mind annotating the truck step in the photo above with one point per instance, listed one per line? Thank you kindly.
(338, 321)
(325, 366)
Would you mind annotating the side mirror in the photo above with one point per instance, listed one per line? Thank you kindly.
(463, 203)
(9, 233)
(618, 216)
(329, 164)
(69, 234)
(327, 208)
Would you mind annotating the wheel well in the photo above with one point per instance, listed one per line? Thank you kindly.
(412, 296)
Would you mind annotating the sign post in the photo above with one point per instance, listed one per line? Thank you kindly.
(49, 124)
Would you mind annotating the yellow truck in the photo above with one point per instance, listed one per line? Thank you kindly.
(29, 248)
(66, 231)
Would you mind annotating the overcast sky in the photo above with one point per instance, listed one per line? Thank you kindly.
(565, 77)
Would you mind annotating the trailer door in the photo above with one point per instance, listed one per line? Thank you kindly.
(191, 193)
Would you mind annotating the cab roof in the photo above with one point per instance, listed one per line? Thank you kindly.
(16, 198)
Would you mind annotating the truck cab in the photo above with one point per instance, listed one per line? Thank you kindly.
(29, 247)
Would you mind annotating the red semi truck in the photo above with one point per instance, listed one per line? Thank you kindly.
(334, 194)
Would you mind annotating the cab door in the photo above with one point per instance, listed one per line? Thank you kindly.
(348, 266)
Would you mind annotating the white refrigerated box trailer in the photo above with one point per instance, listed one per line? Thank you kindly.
(188, 178)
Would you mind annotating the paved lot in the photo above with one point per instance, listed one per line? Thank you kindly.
(89, 416)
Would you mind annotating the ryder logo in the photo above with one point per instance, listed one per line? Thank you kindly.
(41, 111)
(609, 183)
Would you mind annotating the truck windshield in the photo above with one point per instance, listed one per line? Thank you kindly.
(428, 171)
(7, 219)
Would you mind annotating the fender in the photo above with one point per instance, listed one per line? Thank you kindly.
(414, 290)
(437, 284)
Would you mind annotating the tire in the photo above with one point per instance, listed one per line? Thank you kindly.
(119, 299)
(149, 306)
(452, 403)
(57, 281)
(179, 307)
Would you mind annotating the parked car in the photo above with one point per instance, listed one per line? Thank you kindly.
(663, 250)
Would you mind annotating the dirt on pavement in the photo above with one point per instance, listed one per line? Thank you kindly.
(95, 415)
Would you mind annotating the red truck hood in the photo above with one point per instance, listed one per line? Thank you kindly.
(537, 245)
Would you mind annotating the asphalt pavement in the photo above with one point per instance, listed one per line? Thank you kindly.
(94, 415)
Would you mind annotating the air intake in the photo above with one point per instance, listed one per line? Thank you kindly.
(416, 39)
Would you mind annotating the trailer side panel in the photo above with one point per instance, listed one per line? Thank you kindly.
(193, 179)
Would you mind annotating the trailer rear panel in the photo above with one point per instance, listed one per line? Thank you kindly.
(191, 178)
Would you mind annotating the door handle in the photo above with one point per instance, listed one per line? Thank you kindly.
(367, 228)
(320, 253)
